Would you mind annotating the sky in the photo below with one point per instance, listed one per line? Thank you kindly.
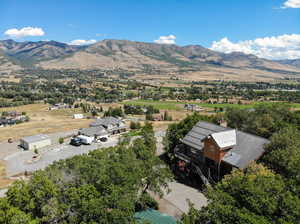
(266, 28)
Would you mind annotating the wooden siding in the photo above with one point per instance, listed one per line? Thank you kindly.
(212, 151)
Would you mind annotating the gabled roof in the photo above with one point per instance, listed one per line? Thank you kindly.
(199, 132)
(99, 130)
(106, 121)
(248, 147)
(225, 139)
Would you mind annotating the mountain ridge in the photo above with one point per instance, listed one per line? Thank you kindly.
(140, 57)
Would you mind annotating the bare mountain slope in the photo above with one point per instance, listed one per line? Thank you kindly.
(7, 65)
(28, 53)
(292, 62)
(136, 56)
(147, 58)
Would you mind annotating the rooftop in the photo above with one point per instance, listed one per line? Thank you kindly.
(99, 130)
(225, 139)
(106, 121)
(248, 147)
(154, 217)
(35, 138)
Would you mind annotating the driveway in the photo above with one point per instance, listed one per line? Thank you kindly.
(22, 161)
(178, 200)
(159, 142)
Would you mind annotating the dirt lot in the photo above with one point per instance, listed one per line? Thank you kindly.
(4, 181)
(42, 121)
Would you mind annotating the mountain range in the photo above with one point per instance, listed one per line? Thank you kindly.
(193, 61)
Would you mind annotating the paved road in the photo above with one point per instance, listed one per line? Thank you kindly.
(3, 193)
(22, 161)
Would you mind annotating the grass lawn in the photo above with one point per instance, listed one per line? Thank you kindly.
(132, 133)
(4, 182)
(161, 105)
(173, 105)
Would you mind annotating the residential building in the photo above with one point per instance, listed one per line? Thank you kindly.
(78, 116)
(193, 107)
(111, 124)
(212, 150)
(96, 132)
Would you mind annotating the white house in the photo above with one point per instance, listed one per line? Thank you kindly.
(78, 116)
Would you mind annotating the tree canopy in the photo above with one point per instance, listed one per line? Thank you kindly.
(104, 186)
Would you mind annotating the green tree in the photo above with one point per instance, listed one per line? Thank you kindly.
(255, 196)
(13, 215)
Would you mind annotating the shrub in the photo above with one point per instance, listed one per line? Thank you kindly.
(61, 140)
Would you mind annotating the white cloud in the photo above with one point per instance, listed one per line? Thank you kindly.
(24, 32)
(166, 40)
(82, 42)
(277, 47)
(291, 4)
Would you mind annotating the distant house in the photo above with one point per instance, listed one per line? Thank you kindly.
(212, 150)
(35, 142)
(193, 107)
(78, 116)
(59, 106)
(13, 114)
(111, 124)
(96, 132)
(11, 118)
(157, 117)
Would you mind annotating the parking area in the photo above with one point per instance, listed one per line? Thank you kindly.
(22, 161)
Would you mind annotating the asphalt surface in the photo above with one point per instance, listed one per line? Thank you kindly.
(159, 142)
(22, 161)
(177, 202)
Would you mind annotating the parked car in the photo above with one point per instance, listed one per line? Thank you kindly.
(76, 142)
(103, 139)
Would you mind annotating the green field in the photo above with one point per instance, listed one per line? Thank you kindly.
(173, 105)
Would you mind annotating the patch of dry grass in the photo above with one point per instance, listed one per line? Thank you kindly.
(42, 121)
(4, 181)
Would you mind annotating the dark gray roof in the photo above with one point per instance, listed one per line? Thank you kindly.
(106, 121)
(35, 138)
(248, 148)
(93, 131)
(200, 131)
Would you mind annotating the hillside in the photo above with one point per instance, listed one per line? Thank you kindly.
(28, 53)
(7, 64)
(293, 62)
(191, 62)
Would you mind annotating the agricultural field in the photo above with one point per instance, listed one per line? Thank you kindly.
(178, 105)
